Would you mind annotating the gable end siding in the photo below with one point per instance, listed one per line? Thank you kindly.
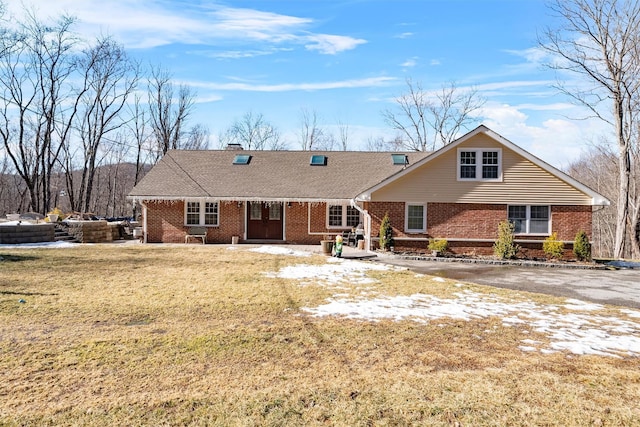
(523, 182)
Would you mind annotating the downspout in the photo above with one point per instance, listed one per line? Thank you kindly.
(367, 225)
(144, 221)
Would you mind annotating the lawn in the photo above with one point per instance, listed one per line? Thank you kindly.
(153, 335)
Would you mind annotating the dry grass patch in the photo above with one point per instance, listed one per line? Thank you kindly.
(203, 335)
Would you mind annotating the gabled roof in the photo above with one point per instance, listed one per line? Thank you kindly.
(268, 175)
(596, 198)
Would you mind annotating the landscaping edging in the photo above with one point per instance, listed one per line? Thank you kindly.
(515, 263)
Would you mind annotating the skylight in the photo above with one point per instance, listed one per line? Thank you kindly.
(318, 160)
(242, 159)
(400, 159)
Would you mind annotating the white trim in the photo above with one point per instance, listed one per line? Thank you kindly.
(406, 217)
(479, 164)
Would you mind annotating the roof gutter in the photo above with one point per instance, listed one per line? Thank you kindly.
(142, 199)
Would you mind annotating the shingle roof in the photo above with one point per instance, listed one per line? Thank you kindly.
(270, 175)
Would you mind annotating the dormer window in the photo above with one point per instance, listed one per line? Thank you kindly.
(479, 164)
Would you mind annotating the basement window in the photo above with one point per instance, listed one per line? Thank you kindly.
(318, 160)
(400, 159)
(242, 159)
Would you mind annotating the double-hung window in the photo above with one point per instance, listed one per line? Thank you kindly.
(201, 212)
(342, 216)
(530, 219)
(415, 218)
(479, 164)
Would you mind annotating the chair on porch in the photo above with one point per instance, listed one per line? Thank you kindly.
(349, 237)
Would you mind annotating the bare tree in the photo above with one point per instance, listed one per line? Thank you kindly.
(380, 144)
(168, 111)
(427, 121)
(344, 134)
(109, 78)
(35, 115)
(599, 42)
(197, 138)
(597, 168)
(312, 136)
(253, 132)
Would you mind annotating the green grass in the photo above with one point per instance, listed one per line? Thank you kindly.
(197, 335)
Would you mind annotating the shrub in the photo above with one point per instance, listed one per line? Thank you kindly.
(552, 247)
(505, 247)
(582, 247)
(386, 233)
(439, 245)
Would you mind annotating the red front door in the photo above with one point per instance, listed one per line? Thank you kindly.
(264, 221)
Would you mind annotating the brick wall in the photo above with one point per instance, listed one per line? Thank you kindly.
(474, 221)
(298, 226)
(567, 221)
(296, 223)
(165, 222)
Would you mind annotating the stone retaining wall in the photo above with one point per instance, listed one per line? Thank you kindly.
(90, 231)
(26, 233)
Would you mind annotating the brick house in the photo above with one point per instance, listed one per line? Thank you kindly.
(460, 193)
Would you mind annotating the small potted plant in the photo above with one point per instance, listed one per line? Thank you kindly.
(438, 246)
(55, 215)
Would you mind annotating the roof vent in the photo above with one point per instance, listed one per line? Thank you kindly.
(234, 146)
(318, 160)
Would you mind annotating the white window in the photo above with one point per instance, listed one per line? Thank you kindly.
(201, 212)
(415, 218)
(479, 164)
(530, 219)
(342, 216)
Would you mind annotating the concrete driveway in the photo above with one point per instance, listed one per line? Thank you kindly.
(618, 287)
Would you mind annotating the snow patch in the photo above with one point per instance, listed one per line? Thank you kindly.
(280, 250)
(580, 332)
(336, 271)
(53, 245)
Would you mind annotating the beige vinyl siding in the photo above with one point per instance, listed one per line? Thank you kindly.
(522, 183)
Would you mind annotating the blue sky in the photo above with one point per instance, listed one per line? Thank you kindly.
(346, 60)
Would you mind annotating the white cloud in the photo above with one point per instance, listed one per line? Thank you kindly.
(409, 63)
(331, 44)
(156, 23)
(287, 87)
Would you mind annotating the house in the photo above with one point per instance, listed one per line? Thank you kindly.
(460, 193)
